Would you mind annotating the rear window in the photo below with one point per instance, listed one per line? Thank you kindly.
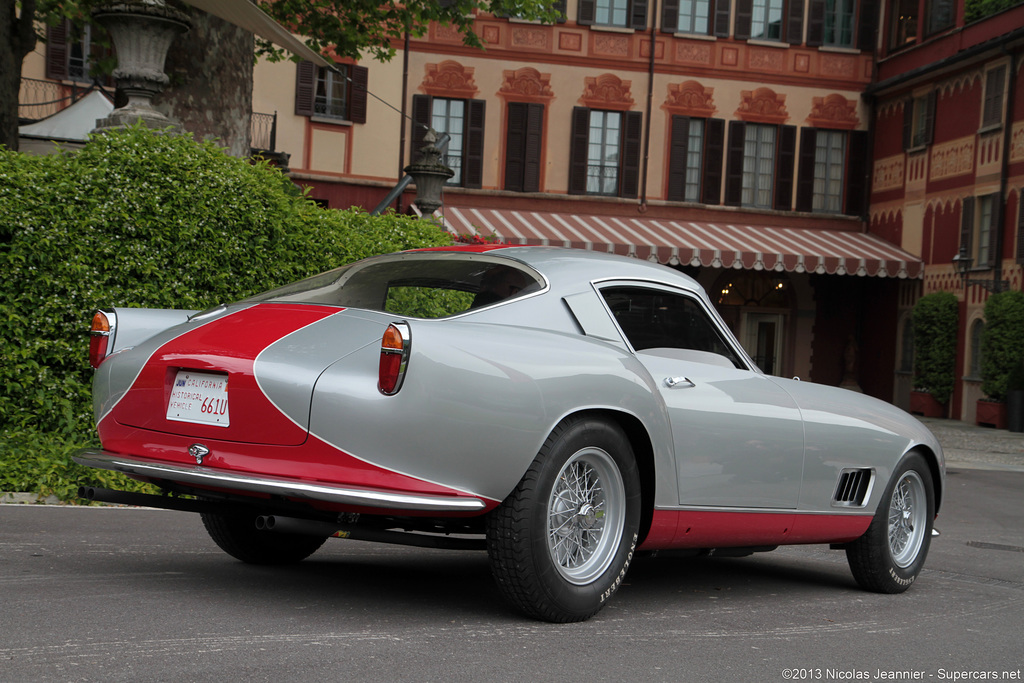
(418, 285)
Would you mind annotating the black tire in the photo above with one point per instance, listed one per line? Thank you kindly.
(890, 555)
(557, 555)
(238, 536)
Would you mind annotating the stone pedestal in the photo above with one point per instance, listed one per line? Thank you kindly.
(142, 32)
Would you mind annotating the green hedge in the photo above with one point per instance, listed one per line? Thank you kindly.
(1002, 342)
(935, 319)
(145, 219)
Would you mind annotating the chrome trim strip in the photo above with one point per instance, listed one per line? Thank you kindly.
(275, 485)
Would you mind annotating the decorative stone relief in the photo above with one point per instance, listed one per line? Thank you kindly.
(833, 111)
(531, 37)
(449, 79)
(690, 98)
(802, 63)
(606, 91)
(693, 53)
(766, 59)
(492, 35)
(1017, 142)
(730, 56)
(526, 84)
(888, 174)
(762, 105)
(573, 42)
(838, 65)
(611, 44)
(952, 158)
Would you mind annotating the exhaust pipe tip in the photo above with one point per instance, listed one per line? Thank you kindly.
(265, 522)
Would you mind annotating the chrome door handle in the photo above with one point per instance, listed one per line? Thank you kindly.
(681, 382)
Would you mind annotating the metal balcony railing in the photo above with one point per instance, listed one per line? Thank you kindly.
(38, 99)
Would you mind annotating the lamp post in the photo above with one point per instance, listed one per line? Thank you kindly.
(963, 261)
(429, 174)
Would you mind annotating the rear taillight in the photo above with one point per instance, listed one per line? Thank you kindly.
(100, 335)
(394, 358)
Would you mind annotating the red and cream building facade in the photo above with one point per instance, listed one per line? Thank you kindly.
(728, 139)
(948, 167)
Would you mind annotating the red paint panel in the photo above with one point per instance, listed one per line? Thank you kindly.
(313, 461)
(680, 529)
(228, 345)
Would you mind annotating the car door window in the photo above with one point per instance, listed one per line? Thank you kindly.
(654, 318)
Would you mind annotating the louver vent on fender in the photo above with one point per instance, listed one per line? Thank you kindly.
(854, 488)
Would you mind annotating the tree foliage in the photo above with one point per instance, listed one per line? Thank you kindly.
(935, 320)
(975, 10)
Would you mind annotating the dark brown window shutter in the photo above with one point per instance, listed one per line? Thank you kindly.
(908, 123)
(967, 224)
(578, 150)
(638, 15)
(867, 25)
(734, 163)
(786, 151)
(815, 23)
(929, 119)
(714, 149)
(357, 92)
(795, 22)
(57, 51)
(632, 132)
(586, 12)
(305, 87)
(473, 157)
(721, 18)
(670, 16)
(679, 145)
(1020, 226)
(805, 169)
(993, 233)
(422, 108)
(856, 172)
(523, 146)
(560, 6)
(744, 18)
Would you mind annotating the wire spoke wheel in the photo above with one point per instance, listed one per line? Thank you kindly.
(585, 516)
(907, 519)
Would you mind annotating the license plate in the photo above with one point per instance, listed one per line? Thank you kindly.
(199, 397)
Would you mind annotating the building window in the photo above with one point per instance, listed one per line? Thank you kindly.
(974, 367)
(620, 13)
(831, 175)
(919, 121)
(992, 110)
(766, 21)
(463, 121)
(694, 16)
(331, 94)
(829, 163)
(977, 228)
(903, 25)
(71, 53)
(839, 18)
(941, 14)
(759, 165)
(695, 160)
(524, 146)
(605, 152)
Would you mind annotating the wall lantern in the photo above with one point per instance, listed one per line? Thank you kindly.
(962, 263)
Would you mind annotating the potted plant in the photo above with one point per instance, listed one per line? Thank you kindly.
(935, 320)
(1000, 354)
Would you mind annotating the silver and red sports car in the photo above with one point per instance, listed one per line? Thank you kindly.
(560, 408)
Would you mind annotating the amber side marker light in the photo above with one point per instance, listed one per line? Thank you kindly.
(100, 332)
(394, 358)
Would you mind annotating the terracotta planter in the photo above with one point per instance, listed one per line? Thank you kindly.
(991, 414)
(924, 404)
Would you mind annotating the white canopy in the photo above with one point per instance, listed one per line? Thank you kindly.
(72, 123)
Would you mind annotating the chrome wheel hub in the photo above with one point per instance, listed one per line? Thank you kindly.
(908, 521)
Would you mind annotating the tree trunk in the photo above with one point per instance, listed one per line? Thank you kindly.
(210, 91)
(17, 39)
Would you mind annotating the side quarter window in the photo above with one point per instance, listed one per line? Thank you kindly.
(652, 319)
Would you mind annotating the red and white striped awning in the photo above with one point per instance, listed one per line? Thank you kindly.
(715, 245)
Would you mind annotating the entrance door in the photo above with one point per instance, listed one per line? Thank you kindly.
(762, 339)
